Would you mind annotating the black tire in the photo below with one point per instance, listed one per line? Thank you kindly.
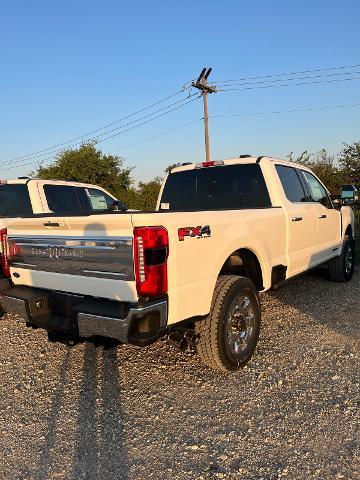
(341, 269)
(218, 345)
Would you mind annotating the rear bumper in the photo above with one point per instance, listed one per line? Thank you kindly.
(83, 317)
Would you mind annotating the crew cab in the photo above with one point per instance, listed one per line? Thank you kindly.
(25, 196)
(192, 270)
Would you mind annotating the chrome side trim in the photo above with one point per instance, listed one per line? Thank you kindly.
(104, 273)
(22, 265)
(102, 257)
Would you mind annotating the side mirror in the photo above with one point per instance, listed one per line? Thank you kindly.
(118, 206)
(349, 195)
(336, 202)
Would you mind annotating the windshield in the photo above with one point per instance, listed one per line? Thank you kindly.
(215, 188)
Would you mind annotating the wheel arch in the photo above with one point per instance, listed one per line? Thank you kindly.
(246, 263)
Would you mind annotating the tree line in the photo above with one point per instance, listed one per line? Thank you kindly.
(88, 164)
(334, 170)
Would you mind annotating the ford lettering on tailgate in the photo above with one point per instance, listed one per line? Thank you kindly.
(57, 252)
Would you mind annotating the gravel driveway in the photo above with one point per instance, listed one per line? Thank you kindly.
(153, 413)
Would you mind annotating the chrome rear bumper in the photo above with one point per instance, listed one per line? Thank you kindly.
(138, 324)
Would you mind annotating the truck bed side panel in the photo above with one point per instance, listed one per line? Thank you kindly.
(195, 262)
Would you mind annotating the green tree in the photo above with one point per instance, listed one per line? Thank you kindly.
(303, 158)
(170, 167)
(147, 194)
(350, 163)
(88, 164)
(325, 166)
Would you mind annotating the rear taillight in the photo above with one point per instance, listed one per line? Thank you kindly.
(151, 246)
(5, 265)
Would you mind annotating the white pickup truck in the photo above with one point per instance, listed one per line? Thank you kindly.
(26, 196)
(192, 270)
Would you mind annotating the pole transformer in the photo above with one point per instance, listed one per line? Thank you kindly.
(202, 85)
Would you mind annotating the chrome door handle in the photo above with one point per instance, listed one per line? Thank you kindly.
(322, 216)
(296, 219)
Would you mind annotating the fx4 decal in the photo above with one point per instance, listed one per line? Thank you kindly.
(198, 232)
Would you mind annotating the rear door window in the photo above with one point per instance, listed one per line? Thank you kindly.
(14, 200)
(291, 183)
(216, 188)
(64, 198)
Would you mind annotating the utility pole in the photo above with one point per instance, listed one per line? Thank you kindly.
(202, 85)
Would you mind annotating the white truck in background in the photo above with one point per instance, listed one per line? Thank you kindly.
(192, 270)
(25, 196)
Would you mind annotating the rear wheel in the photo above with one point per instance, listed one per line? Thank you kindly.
(341, 269)
(229, 334)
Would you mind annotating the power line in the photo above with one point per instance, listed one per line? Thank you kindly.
(99, 140)
(251, 85)
(103, 127)
(148, 139)
(293, 110)
(147, 116)
(288, 73)
(151, 119)
(290, 84)
(291, 79)
(107, 138)
(158, 135)
(274, 112)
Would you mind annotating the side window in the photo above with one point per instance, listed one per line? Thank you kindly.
(291, 183)
(63, 198)
(316, 190)
(98, 199)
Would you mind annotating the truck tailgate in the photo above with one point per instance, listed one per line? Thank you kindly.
(88, 255)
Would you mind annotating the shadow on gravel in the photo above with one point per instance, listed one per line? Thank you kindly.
(99, 443)
(99, 450)
(50, 438)
(333, 305)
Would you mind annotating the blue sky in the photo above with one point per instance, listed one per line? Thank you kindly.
(68, 67)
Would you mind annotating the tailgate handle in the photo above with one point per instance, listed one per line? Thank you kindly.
(53, 224)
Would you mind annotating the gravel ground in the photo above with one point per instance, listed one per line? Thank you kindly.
(154, 413)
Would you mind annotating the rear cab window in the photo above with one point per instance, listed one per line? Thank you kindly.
(14, 200)
(215, 188)
(72, 199)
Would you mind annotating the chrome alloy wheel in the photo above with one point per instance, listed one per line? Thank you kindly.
(240, 324)
(349, 259)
